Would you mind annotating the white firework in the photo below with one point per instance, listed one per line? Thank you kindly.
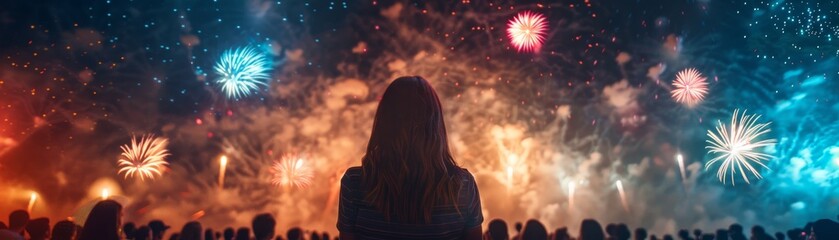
(145, 158)
(737, 146)
(291, 170)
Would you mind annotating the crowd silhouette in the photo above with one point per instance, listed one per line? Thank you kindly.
(104, 223)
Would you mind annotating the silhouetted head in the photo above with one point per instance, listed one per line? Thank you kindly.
(610, 230)
(518, 227)
(640, 234)
(324, 236)
(229, 233)
(175, 236)
(707, 237)
(591, 230)
(294, 234)
(779, 236)
(826, 229)
(561, 234)
(209, 235)
(103, 222)
(735, 229)
(128, 230)
(243, 233)
(757, 230)
(18, 220)
(498, 230)
(38, 228)
(653, 237)
(64, 230)
(3, 225)
(142, 233)
(191, 231)
(683, 234)
(534, 230)
(157, 229)
(314, 236)
(794, 233)
(622, 232)
(408, 167)
(697, 232)
(263, 226)
(667, 237)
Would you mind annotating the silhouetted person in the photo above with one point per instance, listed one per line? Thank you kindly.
(209, 235)
(610, 231)
(128, 230)
(263, 226)
(684, 235)
(158, 229)
(640, 234)
(653, 237)
(3, 226)
(735, 232)
(17, 221)
(64, 230)
(324, 236)
(142, 233)
(667, 237)
(498, 230)
(534, 230)
(407, 173)
(591, 230)
(229, 233)
(622, 232)
(562, 234)
(243, 233)
(518, 227)
(38, 229)
(697, 233)
(192, 231)
(779, 236)
(758, 233)
(722, 234)
(314, 236)
(175, 236)
(103, 222)
(706, 237)
(294, 234)
(824, 229)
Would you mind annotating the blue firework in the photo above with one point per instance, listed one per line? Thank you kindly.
(243, 71)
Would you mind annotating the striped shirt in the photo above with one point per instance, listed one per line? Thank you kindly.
(362, 219)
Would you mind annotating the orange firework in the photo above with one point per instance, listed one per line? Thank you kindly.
(527, 31)
(145, 158)
(291, 170)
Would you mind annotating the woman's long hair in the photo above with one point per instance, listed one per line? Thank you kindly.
(408, 167)
(103, 222)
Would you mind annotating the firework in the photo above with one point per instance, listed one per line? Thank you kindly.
(571, 188)
(32, 197)
(527, 31)
(681, 163)
(622, 195)
(105, 193)
(690, 87)
(736, 145)
(145, 158)
(243, 71)
(221, 170)
(291, 170)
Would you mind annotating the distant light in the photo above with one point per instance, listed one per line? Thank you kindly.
(798, 205)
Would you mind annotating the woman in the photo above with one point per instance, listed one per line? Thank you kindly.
(408, 185)
(103, 222)
(591, 230)
(191, 231)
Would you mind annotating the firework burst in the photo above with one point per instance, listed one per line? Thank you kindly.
(737, 144)
(291, 170)
(690, 87)
(145, 158)
(243, 71)
(527, 31)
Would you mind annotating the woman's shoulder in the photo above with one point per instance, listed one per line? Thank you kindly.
(352, 177)
(465, 175)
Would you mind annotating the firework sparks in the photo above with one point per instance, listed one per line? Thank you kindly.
(622, 195)
(736, 145)
(221, 170)
(690, 87)
(32, 198)
(145, 158)
(243, 71)
(105, 193)
(527, 31)
(291, 170)
(571, 188)
(681, 162)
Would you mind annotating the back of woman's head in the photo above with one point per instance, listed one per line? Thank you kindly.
(408, 167)
(103, 222)
(534, 230)
(191, 231)
(63, 230)
(591, 230)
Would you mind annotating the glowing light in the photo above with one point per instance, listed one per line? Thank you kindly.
(681, 163)
(690, 87)
(243, 71)
(527, 31)
(105, 194)
(291, 170)
(145, 158)
(32, 197)
(622, 195)
(221, 170)
(736, 145)
(571, 189)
